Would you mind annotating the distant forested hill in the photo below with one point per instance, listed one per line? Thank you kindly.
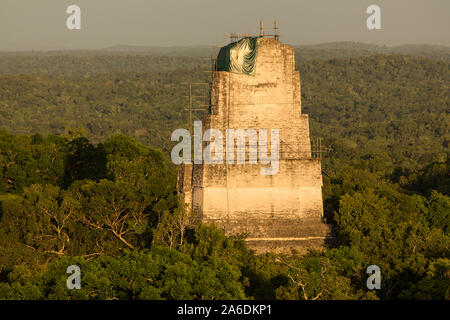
(143, 59)
(389, 105)
(80, 65)
(353, 49)
(396, 107)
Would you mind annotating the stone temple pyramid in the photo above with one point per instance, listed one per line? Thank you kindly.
(255, 86)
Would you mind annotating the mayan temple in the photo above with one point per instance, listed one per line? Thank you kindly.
(255, 86)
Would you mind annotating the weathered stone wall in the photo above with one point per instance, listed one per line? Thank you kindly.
(275, 211)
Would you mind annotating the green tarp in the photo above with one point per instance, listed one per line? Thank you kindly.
(239, 57)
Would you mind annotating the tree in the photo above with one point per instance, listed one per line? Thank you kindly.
(314, 277)
(435, 285)
(36, 227)
(171, 227)
(161, 273)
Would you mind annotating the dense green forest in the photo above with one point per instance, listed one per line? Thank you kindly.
(85, 180)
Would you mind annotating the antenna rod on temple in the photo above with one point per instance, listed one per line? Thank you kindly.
(276, 30)
(261, 29)
(232, 36)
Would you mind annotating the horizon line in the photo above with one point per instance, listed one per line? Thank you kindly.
(209, 46)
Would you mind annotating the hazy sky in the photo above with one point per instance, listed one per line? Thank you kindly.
(41, 24)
